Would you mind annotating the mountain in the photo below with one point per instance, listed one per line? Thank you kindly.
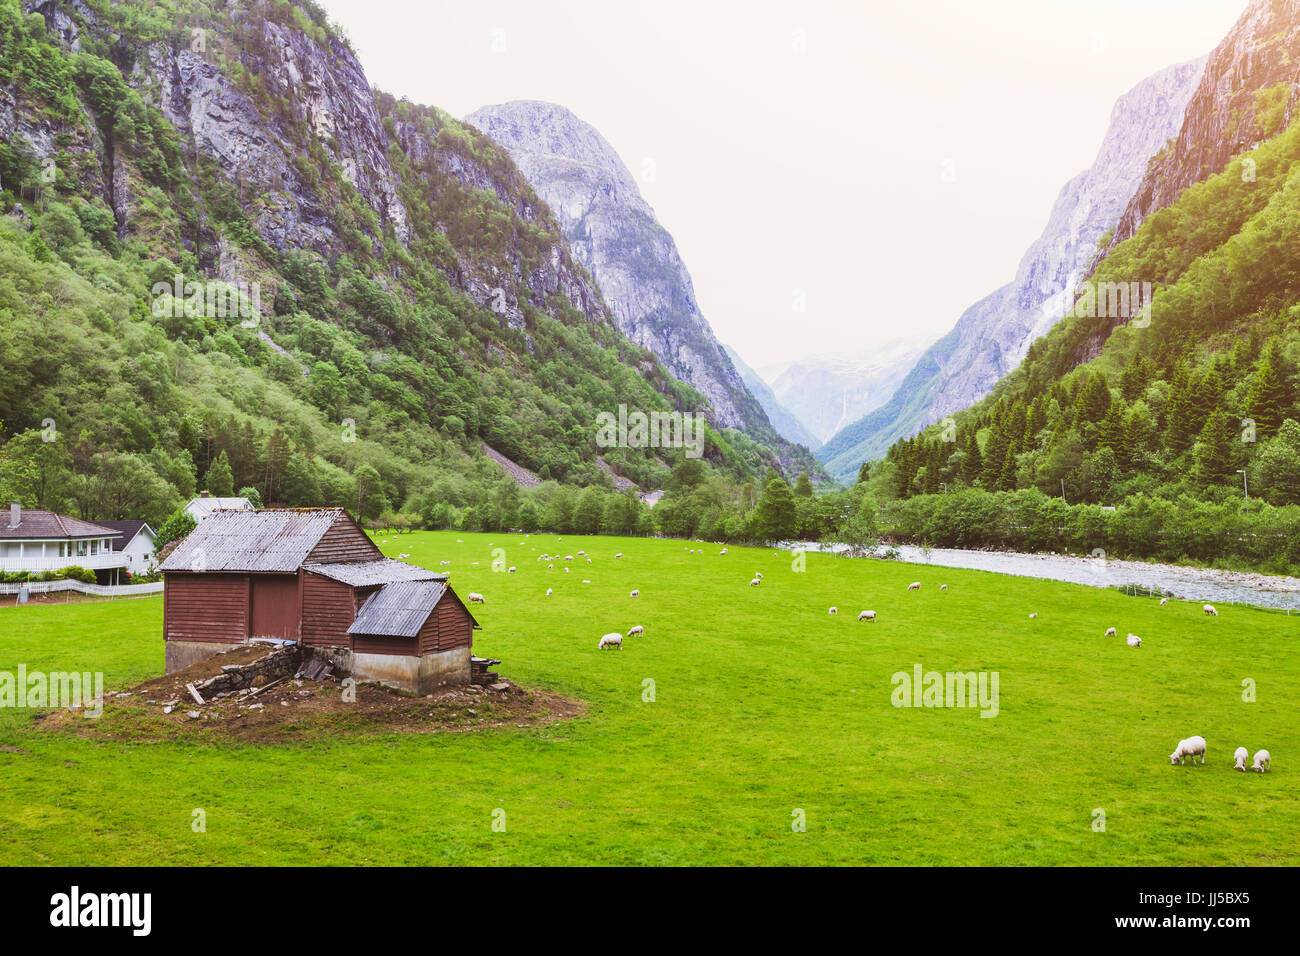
(993, 335)
(613, 231)
(828, 392)
(782, 420)
(1248, 93)
(218, 242)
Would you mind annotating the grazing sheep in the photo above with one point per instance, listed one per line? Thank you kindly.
(444, 563)
(585, 581)
(1262, 761)
(868, 616)
(619, 555)
(549, 592)
(759, 575)
(511, 570)
(914, 586)
(1191, 747)
(1033, 616)
(1111, 632)
(1134, 641)
(589, 560)
(1164, 601)
(550, 567)
(636, 592)
(476, 598)
(568, 557)
(582, 552)
(1239, 759)
(636, 630)
(755, 583)
(833, 611)
(723, 551)
(1209, 609)
(400, 556)
(610, 640)
(943, 587)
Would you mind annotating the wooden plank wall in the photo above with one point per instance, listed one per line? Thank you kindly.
(205, 607)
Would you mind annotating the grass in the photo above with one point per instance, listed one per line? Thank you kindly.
(763, 705)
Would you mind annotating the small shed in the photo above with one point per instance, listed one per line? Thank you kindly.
(313, 577)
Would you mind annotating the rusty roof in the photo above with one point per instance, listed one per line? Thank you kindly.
(399, 609)
(380, 571)
(273, 539)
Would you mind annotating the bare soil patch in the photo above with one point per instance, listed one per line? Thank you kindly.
(298, 709)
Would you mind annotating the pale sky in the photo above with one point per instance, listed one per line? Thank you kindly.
(803, 145)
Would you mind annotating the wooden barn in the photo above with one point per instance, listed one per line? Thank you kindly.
(312, 577)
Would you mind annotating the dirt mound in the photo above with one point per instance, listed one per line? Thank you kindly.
(295, 709)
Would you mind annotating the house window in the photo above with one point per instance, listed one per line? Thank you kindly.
(81, 549)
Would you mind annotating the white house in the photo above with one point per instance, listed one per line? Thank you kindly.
(202, 506)
(137, 543)
(37, 540)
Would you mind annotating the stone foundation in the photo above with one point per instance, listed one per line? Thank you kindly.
(416, 675)
(178, 655)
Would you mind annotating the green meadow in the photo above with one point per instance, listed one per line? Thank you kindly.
(741, 712)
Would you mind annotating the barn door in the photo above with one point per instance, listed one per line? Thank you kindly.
(275, 607)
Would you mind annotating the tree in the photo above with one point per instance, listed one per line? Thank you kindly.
(252, 494)
(220, 479)
(775, 518)
(1276, 475)
(1214, 449)
(859, 531)
(1267, 398)
(178, 525)
(803, 486)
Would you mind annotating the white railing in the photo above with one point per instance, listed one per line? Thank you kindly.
(34, 562)
(97, 590)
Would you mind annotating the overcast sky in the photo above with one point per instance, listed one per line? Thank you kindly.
(892, 160)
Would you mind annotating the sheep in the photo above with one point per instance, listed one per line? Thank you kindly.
(1111, 632)
(635, 592)
(755, 582)
(833, 611)
(589, 560)
(1209, 610)
(636, 630)
(1164, 601)
(568, 557)
(1033, 616)
(1191, 747)
(400, 556)
(868, 616)
(566, 570)
(610, 640)
(580, 553)
(511, 570)
(1134, 641)
(943, 587)
(619, 555)
(914, 586)
(550, 567)
(585, 581)
(723, 551)
(476, 598)
(1262, 761)
(1239, 759)
(759, 575)
(444, 563)
(549, 592)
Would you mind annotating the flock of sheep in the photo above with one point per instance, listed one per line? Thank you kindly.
(1192, 747)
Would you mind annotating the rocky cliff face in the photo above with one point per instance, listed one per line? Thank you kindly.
(1248, 92)
(782, 419)
(992, 336)
(614, 233)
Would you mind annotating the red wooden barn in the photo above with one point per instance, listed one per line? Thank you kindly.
(313, 577)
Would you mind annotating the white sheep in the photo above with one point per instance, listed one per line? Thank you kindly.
(566, 570)
(511, 570)
(568, 557)
(635, 592)
(833, 611)
(1033, 616)
(582, 552)
(637, 630)
(914, 586)
(1262, 761)
(868, 616)
(1134, 641)
(943, 587)
(1191, 747)
(723, 551)
(610, 640)
(1239, 759)
(1209, 609)
(619, 555)
(444, 563)
(549, 592)
(476, 598)
(755, 582)
(1164, 601)
(550, 567)
(1111, 632)
(759, 575)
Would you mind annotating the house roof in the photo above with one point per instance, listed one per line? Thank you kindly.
(36, 523)
(268, 540)
(380, 571)
(128, 531)
(399, 609)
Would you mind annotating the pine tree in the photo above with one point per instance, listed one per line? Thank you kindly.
(1214, 449)
(220, 479)
(775, 516)
(1267, 399)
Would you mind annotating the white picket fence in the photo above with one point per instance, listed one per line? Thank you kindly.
(96, 590)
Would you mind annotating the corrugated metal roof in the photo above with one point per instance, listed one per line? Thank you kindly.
(380, 571)
(271, 540)
(399, 609)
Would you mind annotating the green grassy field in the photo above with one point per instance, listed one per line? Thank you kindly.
(763, 705)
